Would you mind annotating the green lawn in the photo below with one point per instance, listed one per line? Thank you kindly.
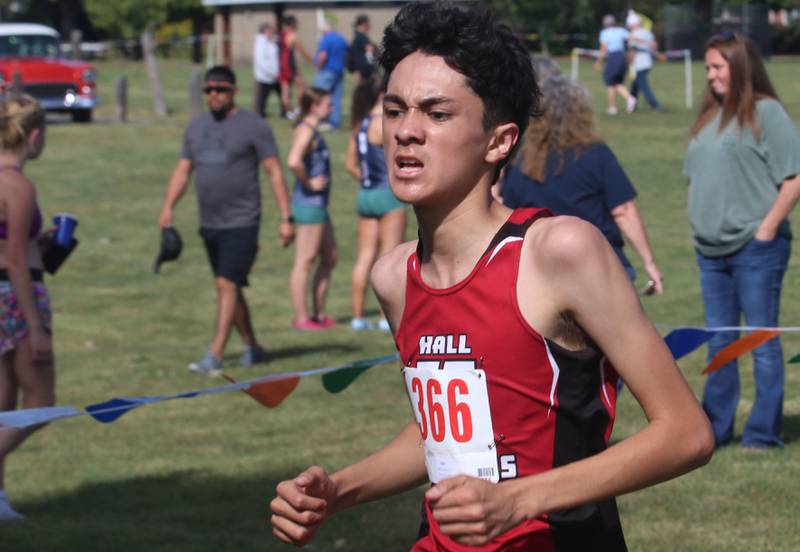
(198, 474)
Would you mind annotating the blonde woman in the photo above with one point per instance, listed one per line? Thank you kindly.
(26, 347)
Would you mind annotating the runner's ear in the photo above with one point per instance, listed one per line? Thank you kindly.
(502, 141)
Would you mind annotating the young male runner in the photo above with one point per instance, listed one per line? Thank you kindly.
(510, 325)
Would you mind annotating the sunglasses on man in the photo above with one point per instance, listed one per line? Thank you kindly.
(218, 89)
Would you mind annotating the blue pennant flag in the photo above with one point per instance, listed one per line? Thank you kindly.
(109, 411)
(683, 341)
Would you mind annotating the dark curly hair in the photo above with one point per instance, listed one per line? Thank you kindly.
(494, 62)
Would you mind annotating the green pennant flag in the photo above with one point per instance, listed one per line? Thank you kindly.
(335, 382)
(794, 360)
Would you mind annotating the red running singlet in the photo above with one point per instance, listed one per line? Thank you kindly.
(548, 406)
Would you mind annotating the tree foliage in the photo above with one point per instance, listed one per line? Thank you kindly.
(128, 18)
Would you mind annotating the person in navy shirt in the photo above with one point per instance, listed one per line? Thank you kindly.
(564, 166)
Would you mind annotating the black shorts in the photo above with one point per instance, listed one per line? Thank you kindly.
(615, 69)
(231, 251)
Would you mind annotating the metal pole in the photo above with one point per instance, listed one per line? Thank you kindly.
(574, 72)
(687, 69)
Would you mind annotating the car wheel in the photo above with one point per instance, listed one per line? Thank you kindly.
(82, 115)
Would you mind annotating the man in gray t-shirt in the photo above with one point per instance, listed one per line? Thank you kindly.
(224, 148)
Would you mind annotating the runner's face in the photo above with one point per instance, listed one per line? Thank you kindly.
(718, 73)
(323, 107)
(433, 132)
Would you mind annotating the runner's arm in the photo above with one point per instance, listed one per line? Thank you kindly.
(298, 45)
(575, 272)
(176, 187)
(322, 57)
(303, 135)
(351, 158)
(272, 166)
(584, 278)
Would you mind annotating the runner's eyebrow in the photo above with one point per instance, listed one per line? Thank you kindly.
(425, 103)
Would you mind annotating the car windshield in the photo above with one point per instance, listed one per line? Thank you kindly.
(28, 46)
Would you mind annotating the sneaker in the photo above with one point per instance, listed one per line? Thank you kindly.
(630, 105)
(360, 324)
(253, 355)
(307, 324)
(325, 321)
(383, 325)
(7, 513)
(209, 364)
(612, 110)
(293, 114)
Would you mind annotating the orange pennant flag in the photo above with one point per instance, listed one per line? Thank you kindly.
(738, 348)
(270, 393)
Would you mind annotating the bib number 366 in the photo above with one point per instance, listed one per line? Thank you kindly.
(451, 406)
(432, 404)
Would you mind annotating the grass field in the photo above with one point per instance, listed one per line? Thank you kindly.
(198, 474)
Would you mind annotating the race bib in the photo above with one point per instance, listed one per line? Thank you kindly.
(451, 406)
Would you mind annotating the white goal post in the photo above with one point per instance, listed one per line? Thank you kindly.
(577, 53)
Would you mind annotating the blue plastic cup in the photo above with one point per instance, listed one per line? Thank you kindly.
(65, 228)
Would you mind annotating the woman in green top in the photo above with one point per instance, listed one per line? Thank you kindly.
(742, 164)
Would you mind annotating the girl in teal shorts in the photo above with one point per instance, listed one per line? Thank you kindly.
(381, 217)
(309, 160)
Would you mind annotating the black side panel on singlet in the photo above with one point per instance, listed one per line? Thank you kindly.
(581, 423)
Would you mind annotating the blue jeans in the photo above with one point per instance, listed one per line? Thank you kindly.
(641, 84)
(749, 282)
(333, 83)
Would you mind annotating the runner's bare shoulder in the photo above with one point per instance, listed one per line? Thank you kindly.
(388, 276)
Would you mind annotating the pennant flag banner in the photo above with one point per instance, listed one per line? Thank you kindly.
(738, 348)
(269, 391)
(35, 416)
(683, 341)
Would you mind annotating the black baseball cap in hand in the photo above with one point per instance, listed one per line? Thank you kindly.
(171, 246)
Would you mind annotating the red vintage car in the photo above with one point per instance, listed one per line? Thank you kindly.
(32, 53)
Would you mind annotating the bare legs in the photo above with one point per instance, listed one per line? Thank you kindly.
(375, 237)
(18, 372)
(612, 92)
(286, 92)
(312, 241)
(232, 311)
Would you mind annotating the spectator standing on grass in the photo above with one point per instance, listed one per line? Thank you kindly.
(225, 148)
(266, 67)
(361, 55)
(643, 47)
(743, 166)
(564, 166)
(614, 57)
(289, 74)
(504, 321)
(330, 61)
(26, 341)
(381, 216)
(309, 160)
